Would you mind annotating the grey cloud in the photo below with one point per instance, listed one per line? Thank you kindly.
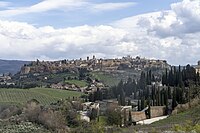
(163, 35)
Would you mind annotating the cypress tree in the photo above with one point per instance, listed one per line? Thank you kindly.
(142, 103)
(129, 102)
(162, 98)
(122, 98)
(149, 108)
(119, 100)
(142, 81)
(166, 77)
(153, 95)
(166, 102)
(174, 98)
(120, 87)
(125, 118)
(169, 92)
(159, 97)
(130, 118)
(139, 105)
(150, 77)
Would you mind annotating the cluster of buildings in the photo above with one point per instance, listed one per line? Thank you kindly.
(136, 116)
(5, 80)
(93, 64)
(197, 68)
(90, 88)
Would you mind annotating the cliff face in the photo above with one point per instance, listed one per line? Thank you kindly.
(25, 70)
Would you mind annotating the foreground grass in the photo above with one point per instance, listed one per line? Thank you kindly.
(192, 115)
(44, 95)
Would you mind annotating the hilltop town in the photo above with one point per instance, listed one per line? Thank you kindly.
(85, 75)
(94, 64)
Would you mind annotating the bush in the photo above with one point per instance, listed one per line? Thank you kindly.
(92, 127)
(113, 116)
(53, 120)
(32, 110)
(10, 111)
(50, 118)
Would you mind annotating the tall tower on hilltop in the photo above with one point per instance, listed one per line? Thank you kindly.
(199, 63)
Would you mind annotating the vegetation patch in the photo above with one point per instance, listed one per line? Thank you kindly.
(107, 79)
(23, 127)
(79, 83)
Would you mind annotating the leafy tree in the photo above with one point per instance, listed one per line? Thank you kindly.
(113, 116)
(93, 114)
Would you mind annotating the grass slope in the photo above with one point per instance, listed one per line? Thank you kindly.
(44, 95)
(107, 79)
(80, 83)
(184, 118)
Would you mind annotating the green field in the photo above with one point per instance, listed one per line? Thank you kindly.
(44, 95)
(107, 79)
(80, 83)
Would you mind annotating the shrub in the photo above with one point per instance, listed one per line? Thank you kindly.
(53, 120)
(9, 111)
(50, 118)
(32, 110)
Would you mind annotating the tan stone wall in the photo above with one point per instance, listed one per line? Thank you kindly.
(138, 116)
(157, 111)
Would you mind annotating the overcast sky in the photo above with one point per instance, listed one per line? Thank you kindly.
(72, 29)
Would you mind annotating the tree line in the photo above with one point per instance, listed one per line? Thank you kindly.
(178, 84)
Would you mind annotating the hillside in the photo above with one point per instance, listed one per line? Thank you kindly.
(186, 120)
(12, 66)
(44, 95)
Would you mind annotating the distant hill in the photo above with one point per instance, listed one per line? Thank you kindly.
(12, 66)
